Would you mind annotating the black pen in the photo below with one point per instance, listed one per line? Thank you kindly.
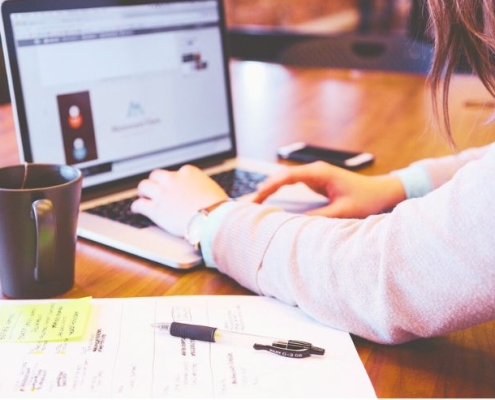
(285, 348)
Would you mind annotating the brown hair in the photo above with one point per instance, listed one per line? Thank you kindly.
(461, 27)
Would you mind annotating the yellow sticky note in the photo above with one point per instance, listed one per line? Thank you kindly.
(50, 321)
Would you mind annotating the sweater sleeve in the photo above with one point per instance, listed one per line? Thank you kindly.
(424, 269)
(421, 177)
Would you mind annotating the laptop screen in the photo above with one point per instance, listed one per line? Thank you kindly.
(119, 89)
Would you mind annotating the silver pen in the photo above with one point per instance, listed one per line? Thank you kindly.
(285, 348)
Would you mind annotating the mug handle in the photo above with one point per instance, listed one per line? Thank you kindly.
(44, 218)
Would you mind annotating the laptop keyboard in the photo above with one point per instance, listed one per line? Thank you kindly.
(235, 182)
(238, 182)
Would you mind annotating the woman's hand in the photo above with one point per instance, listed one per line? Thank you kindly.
(351, 195)
(170, 198)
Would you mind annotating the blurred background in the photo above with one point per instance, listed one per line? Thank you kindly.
(390, 35)
(323, 16)
(362, 34)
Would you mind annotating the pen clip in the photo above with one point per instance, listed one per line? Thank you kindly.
(291, 349)
(302, 353)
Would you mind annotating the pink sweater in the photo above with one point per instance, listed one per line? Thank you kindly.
(424, 269)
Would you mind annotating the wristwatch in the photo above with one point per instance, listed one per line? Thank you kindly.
(196, 225)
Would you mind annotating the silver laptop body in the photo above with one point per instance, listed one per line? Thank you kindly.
(119, 88)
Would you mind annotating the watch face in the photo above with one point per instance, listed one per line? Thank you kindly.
(195, 228)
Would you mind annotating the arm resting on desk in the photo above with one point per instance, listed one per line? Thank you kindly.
(422, 270)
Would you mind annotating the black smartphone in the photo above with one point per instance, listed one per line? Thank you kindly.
(307, 153)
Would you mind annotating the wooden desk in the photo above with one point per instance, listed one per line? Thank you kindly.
(383, 113)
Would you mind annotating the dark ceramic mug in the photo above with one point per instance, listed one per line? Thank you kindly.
(39, 206)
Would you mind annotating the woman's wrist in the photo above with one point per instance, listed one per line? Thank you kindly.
(212, 226)
(197, 222)
(392, 191)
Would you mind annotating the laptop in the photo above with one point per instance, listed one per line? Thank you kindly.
(118, 88)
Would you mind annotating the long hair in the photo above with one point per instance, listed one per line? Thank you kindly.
(460, 27)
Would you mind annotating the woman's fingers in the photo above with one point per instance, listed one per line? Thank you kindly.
(149, 189)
